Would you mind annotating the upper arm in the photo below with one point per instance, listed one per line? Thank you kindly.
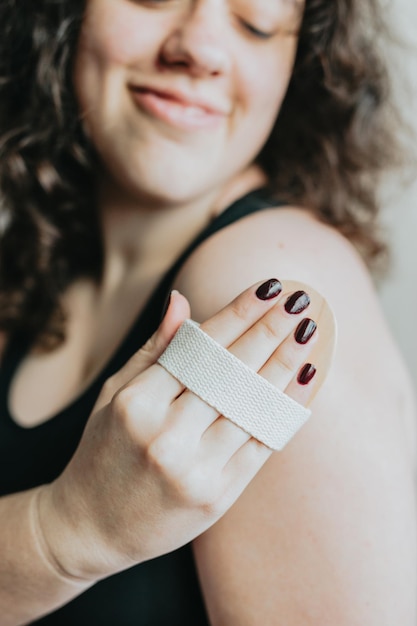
(325, 533)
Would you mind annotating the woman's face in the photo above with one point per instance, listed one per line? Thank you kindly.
(178, 96)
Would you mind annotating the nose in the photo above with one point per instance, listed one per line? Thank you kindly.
(198, 43)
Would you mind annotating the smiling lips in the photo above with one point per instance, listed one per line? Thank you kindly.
(177, 109)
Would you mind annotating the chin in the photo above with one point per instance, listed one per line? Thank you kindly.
(158, 189)
(163, 182)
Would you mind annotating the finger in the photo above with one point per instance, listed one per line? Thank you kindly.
(178, 310)
(243, 466)
(189, 413)
(225, 326)
(244, 311)
(303, 386)
(279, 370)
(257, 345)
(321, 345)
(221, 440)
(282, 370)
(254, 348)
(244, 462)
(283, 365)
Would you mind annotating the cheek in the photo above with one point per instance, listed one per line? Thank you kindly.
(111, 42)
(264, 81)
(263, 100)
(106, 37)
(113, 33)
(266, 89)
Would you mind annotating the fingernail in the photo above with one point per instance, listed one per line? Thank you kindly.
(167, 303)
(298, 302)
(306, 374)
(305, 330)
(271, 289)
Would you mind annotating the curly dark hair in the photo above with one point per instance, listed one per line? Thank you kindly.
(335, 133)
(328, 144)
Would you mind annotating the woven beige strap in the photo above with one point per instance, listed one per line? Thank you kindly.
(232, 388)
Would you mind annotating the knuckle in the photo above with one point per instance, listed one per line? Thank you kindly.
(213, 507)
(147, 351)
(241, 308)
(183, 478)
(192, 489)
(288, 361)
(144, 353)
(127, 402)
(110, 387)
(164, 454)
(201, 493)
(119, 403)
(270, 329)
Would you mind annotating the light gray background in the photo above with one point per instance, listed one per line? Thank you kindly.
(399, 290)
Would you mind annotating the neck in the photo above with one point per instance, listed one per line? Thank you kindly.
(143, 238)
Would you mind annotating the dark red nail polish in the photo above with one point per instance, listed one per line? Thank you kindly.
(306, 374)
(298, 302)
(271, 289)
(305, 330)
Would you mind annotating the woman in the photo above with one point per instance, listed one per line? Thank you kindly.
(201, 146)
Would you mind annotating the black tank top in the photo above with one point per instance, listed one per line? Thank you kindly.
(163, 591)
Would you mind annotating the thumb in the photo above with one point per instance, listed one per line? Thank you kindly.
(177, 311)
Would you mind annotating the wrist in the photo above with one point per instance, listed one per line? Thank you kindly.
(53, 539)
(70, 540)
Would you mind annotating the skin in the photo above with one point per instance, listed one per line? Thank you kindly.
(66, 530)
(149, 209)
(204, 50)
(328, 526)
(325, 531)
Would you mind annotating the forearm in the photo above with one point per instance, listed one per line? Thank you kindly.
(31, 584)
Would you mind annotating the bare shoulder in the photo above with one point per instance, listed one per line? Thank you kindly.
(291, 243)
(287, 241)
(325, 533)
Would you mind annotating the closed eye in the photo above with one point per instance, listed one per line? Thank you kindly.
(260, 34)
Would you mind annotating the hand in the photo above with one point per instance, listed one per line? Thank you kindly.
(156, 466)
